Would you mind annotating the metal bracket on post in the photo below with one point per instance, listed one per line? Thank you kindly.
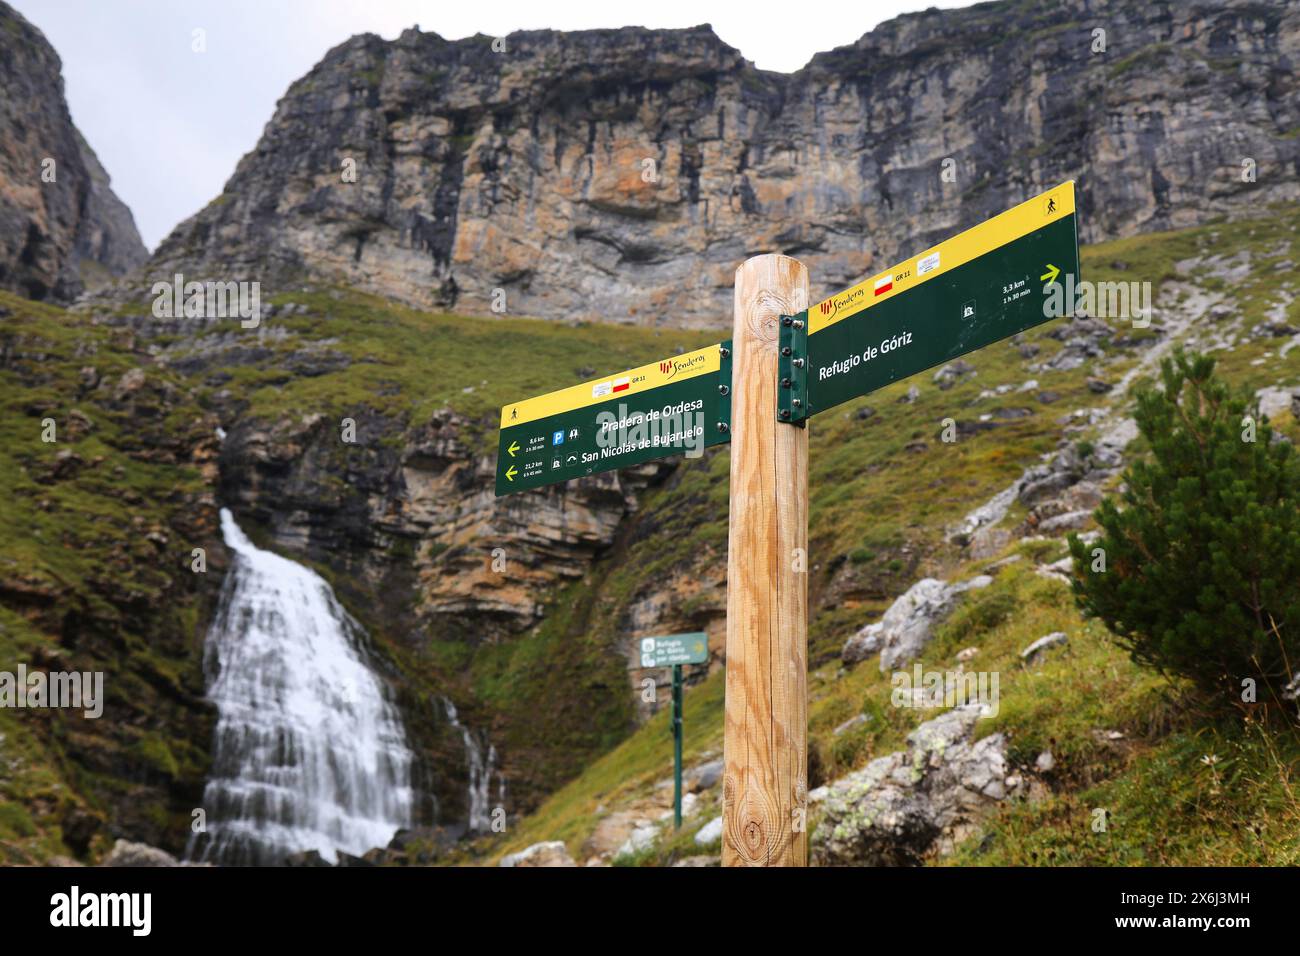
(723, 424)
(792, 370)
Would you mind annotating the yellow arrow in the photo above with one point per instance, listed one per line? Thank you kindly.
(514, 447)
(511, 472)
(1051, 274)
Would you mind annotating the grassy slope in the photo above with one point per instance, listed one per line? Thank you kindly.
(83, 587)
(1165, 803)
(409, 364)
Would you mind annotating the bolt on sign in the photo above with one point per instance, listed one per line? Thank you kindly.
(677, 405)
(980, 286)
(674, 649)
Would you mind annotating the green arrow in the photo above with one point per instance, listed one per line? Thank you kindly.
(1051, 274)
(514, 447)
(510, 473)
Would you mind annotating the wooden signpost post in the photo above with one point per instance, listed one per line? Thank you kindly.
(785, 362)
(765, 751)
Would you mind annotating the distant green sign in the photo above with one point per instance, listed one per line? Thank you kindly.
(680, 405)
(974, 289)
(674, 649)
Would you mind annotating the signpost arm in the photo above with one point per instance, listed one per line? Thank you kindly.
(766, 724)
(677, 746)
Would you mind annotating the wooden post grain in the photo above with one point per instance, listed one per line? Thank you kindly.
(765, 748)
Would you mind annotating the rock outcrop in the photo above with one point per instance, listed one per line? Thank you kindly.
(540, 854)
(904, 630)
(400, 497)
(622, 174)
(902, 807)
(1032, 653)
(126, 853)
(62, 230)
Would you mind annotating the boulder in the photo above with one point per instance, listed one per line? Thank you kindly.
(894, 810)
(641, 838)
(126, 853)
(711, 832)
(907, 626)
(1055, 639)
(863, 644)
(987, 542)
(1038, 488)
(857, 720)
(703, 776)
(1012, 412)
(1066, 521)
(552, 853)
(690, 803)
(1057, 570)
(1273, 401)
(952, 373)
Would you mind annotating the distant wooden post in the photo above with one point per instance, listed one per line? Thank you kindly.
(765, 749)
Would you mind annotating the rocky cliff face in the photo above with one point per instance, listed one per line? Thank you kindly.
(623, 174)
(62, 230)
(355, 509)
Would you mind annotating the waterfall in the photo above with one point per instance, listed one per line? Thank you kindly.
(308, 752)
(481, 758)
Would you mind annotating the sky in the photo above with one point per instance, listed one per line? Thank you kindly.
(169, 123)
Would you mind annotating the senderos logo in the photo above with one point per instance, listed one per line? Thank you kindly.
(848, 302)
(668, 368)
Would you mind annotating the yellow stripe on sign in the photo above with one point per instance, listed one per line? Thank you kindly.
(676, 368)
(1045, 208)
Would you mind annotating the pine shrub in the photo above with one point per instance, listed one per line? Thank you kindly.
(1202, 561)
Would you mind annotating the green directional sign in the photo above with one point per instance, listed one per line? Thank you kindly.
(679, 405)
(981, 286)
(674, 649)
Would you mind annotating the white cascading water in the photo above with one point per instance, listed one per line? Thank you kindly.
(308, 753)
(481, 757)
